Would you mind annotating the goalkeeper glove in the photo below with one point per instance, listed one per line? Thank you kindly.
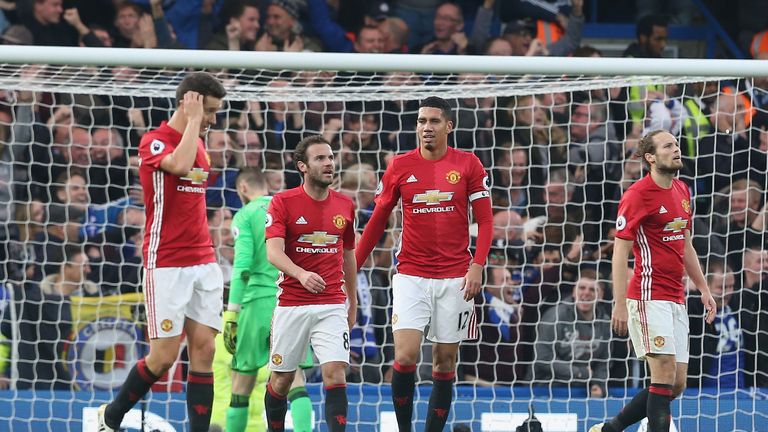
(230, 331)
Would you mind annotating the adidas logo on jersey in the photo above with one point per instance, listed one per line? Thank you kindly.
(301, 221)
(412, 179)
(662, 210)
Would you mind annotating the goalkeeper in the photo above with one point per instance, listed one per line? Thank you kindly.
(252, 299)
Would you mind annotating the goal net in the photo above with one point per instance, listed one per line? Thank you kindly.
(558, 150)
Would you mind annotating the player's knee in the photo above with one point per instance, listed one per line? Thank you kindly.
(406, 356)
(334, 373)
(281, 381)
(202, 351)
(160, 362)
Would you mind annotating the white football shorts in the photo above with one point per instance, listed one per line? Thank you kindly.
(294, 328)
(658, 327)
(439, 303)
(175, 293)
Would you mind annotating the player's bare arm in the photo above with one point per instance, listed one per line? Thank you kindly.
(350, 284)
(473, 281)
(619, 265)
(311, 281)
(183, 157)
(693, 269)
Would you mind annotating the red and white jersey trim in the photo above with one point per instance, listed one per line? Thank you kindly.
(158, 180)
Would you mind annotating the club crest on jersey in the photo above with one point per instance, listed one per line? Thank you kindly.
(196, 176)
(339, 221)
(686, 206)
(659, 341)
(156, 147)
(453, 176)
(277, 359)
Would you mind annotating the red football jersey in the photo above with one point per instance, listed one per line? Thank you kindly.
(316, 234)
(656, 219)
(436, 196)
(176, 231)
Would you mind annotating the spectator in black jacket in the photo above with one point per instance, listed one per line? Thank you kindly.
(45, 324)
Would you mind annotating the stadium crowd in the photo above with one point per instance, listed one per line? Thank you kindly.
(558, 163)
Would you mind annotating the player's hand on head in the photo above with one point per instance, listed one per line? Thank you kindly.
(192, 105)
(472, 282)
(312, 282)
(619, 318)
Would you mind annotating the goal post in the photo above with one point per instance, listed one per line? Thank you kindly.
(556, 137)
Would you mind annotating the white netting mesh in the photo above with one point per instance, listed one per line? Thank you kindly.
(556, 148)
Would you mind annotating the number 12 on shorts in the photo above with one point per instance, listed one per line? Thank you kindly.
(463, 320)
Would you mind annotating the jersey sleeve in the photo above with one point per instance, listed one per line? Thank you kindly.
(349, 230)
(152, 150)
(242, 231)
(630, 215)
(478, 185)
(388, 191)
(275, 219)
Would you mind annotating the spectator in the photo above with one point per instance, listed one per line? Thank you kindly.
(135, 29)
(597, 153)
(224, 168)
(717, 355)
(737, 211)
(45, 24)
(283, 30)
(680, 11)
(651, 33)
(87, 36)
(220, 228)
(573, 339)
(368, 39)
(108, 174)
(723, 156)
(44, 325)
(522, 35)
(419, 15)
(248, 142)
(241, 30)
(449, 36)
(510, 187)
(490, 360)
(498, 47)
(509, 237)
(395, 32)
(63, 226)
(750, 300)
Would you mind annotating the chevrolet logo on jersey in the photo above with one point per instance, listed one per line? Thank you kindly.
(196, 176)
(677, 225)
(432, 197)
(319, 238)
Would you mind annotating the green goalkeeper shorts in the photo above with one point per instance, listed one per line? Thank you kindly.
(253, 326)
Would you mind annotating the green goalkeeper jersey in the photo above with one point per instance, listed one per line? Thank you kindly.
(253, 276)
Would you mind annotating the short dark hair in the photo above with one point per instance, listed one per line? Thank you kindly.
(647, 145)
(300, 154)
(586, 51)
(646, 24)
(71, 251)
(252, 176)
(235, 9)
(201, 82)
(438, 102)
